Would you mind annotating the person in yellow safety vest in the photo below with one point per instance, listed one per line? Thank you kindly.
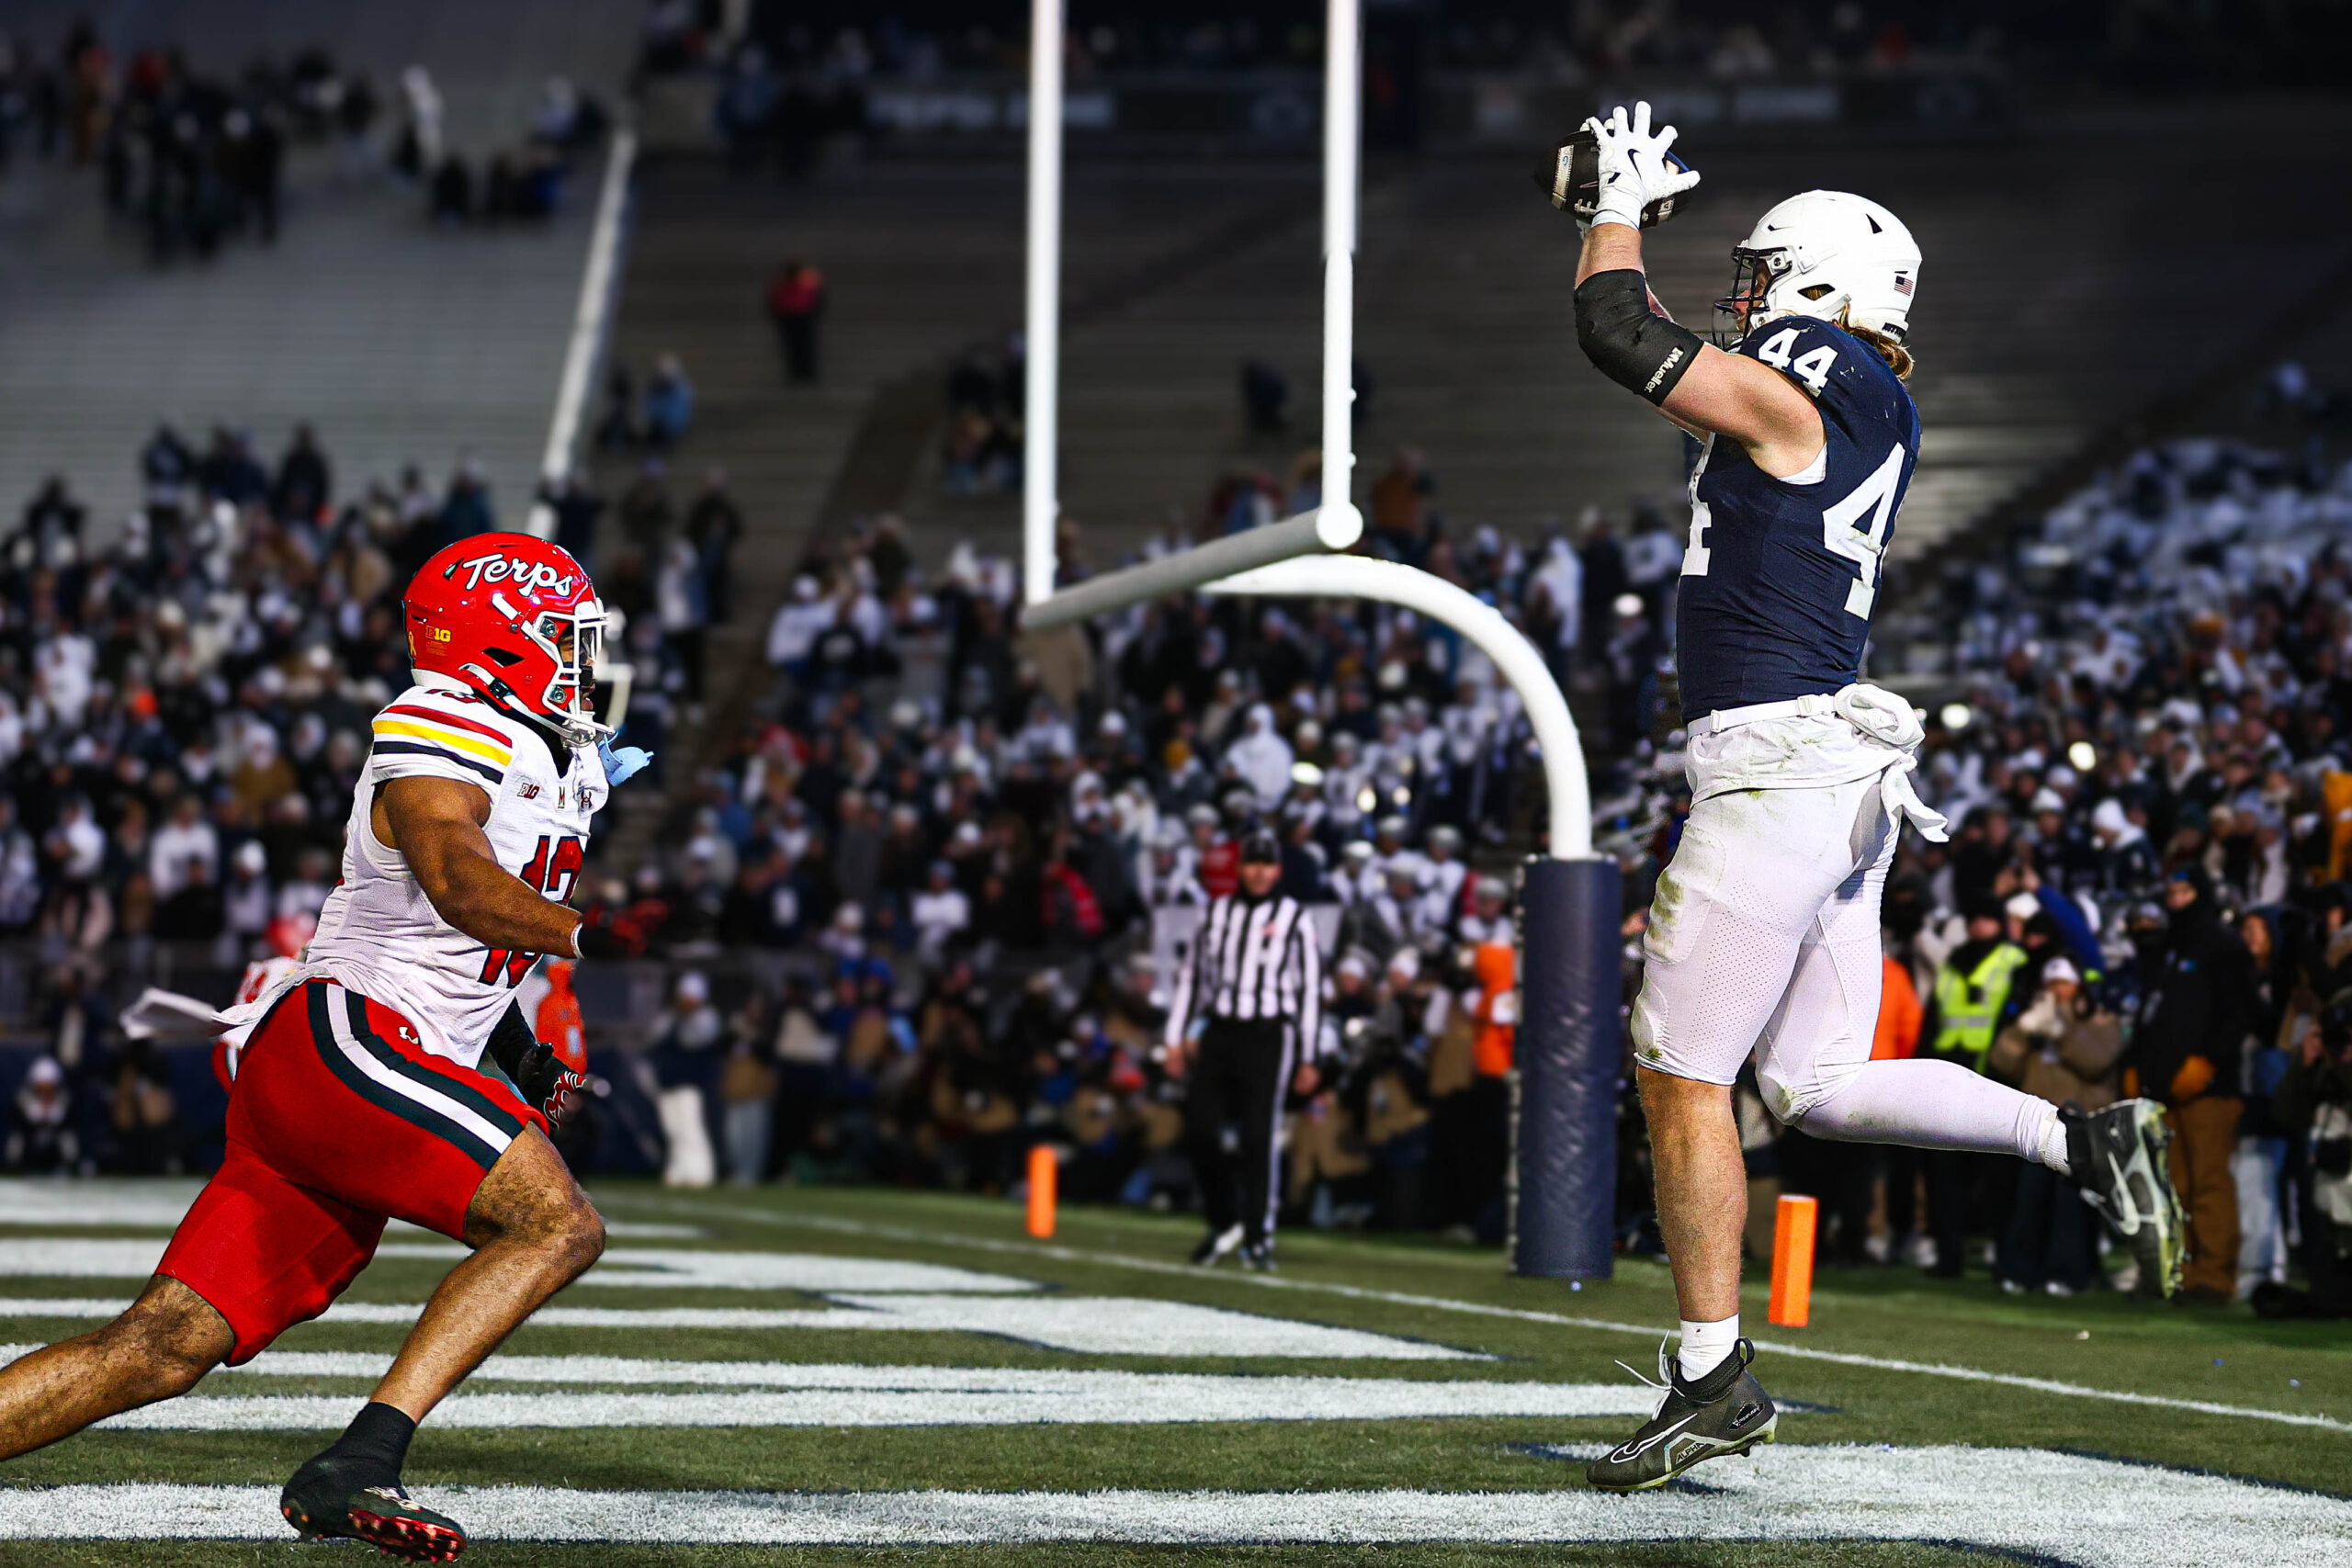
(1968, 1003)
(1972, 989)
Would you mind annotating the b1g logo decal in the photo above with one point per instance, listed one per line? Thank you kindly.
(528, 577)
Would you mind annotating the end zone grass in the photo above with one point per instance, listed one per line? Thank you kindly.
(1386, 1285)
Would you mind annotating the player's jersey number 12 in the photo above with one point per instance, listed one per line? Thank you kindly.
(554, 870)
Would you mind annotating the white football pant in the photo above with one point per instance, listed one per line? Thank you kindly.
(1764, 938)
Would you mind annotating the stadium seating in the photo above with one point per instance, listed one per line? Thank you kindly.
(406, 345)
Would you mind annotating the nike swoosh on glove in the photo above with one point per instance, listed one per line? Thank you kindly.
(621, 763)
(1635, 168)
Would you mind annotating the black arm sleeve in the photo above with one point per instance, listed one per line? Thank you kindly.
(511, 1042)
(1628, 342)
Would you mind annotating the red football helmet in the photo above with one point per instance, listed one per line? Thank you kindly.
(517, 620)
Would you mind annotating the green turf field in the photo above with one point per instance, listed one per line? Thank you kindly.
(921, 1358)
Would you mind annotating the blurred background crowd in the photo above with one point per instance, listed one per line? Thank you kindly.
(191, 161)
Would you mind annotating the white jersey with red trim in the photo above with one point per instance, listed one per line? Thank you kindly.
(380, 935)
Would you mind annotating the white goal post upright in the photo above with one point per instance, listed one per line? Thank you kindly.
(1562, 1189)
(1335, 524)
(1041, 376)
(1342, 175)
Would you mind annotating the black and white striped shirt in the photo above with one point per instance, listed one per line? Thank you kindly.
(1253, 959)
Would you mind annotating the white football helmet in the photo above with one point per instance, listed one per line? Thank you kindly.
(1826, 254)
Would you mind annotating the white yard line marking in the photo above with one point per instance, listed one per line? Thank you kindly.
(1097, 1326)
(1113, 1326)
(160, 1204)
(674, 1267)
(1481, 1309)
(2052, 1507)
(85, 1257)
(893, 1396)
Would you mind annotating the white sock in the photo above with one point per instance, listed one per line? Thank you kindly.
(2053, 1145)
(1705, 1345)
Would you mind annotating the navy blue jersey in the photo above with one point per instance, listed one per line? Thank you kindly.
(1779, 580)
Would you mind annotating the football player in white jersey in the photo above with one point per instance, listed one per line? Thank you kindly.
(360, 1092)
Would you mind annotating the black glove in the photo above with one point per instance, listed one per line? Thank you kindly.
(539, 1076)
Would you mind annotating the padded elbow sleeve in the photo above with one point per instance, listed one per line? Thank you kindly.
(1628, 342)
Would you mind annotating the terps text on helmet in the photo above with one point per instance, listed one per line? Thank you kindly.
(530, 578)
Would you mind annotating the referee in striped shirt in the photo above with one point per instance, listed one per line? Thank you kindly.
(1249, 1010)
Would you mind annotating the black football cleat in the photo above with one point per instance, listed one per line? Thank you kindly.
(1726, 1412)
(325, 1502)
(1217, 1244)
(1259, 1258)
(2119, 1158)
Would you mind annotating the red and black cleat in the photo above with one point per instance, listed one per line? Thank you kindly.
(383, 1517)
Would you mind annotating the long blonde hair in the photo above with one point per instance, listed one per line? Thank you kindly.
(1898, 358)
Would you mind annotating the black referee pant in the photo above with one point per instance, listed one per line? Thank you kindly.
(1240, 1073)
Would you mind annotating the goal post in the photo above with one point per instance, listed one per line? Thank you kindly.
(1042, 334)
(1562, 1172)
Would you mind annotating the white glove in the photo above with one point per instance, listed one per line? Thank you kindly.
(1635, 168)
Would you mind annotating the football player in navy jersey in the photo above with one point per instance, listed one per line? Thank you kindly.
(1763, 939)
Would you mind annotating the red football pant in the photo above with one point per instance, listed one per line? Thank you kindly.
(339, 1119)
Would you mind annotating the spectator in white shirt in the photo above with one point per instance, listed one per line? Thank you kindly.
(939, 912)
(304, 894)
(83, 844)
(1263, 757)
(1489, 917)
(798, 625)
(247, 906)
(187, 836)
(1443, 869)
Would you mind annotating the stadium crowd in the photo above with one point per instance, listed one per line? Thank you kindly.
(191, 159)
(941, 879)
